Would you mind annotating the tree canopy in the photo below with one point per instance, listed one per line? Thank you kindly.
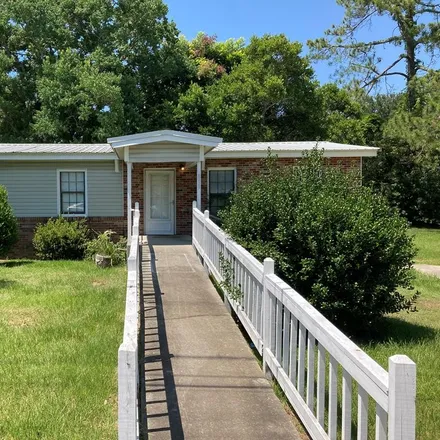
(416, 33)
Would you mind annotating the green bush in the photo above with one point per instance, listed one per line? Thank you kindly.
(104, 245)
(8, 224)
(61, 239)
(410, 179)
(337, 243)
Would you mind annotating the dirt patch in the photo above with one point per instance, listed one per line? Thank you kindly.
(22, 317)
(99, 283)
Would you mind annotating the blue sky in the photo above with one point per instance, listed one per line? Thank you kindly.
(300, 20)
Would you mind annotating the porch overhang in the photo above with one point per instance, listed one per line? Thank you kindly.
(163, 146)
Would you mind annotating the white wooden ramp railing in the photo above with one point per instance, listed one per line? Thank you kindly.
(128, 373)
(323, 373)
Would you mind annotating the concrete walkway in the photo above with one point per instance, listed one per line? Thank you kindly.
(201, 379)
(428, 269)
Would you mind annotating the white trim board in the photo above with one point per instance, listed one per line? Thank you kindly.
(86, 192)
(173, 197)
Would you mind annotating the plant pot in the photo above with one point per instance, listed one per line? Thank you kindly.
(103, 261)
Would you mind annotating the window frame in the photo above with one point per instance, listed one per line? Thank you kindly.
(59, 192)
(220, 169)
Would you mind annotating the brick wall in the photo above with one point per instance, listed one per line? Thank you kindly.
(186, 193)
(24, 248)
(248, 167)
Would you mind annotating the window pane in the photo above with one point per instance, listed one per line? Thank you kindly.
(72, 192)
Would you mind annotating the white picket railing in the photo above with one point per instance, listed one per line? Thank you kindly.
(305, 352)
(128, 374)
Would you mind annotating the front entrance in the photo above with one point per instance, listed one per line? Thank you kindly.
(160, 202)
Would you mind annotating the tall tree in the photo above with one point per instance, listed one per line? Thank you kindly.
(417, 32)
(128, 46)
(270, 95)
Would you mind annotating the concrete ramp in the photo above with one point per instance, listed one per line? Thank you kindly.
(201, 379)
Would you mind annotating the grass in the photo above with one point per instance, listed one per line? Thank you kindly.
(60, 327)
(427, 242)
(418, 336)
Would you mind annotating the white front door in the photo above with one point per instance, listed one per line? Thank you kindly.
(159, 202)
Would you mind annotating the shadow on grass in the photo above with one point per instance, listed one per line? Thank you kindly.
(15, 263)
(6, 283)
(399, 331)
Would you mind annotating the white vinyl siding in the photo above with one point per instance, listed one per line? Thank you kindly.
(33, 187)
(165, 153)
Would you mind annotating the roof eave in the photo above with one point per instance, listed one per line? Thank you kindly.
(57, 156)
(164, 136)
(370, 152)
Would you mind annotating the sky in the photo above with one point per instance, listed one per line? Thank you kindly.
(300, 20)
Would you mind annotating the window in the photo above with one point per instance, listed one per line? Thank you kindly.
(221, 183)
(72, 192)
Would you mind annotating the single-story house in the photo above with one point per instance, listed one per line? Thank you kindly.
(162, 170)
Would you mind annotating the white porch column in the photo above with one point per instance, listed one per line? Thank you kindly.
(199, 185)
(129, 183)
(129, 202)
(200, 167)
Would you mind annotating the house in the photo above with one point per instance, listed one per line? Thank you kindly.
(163, 170)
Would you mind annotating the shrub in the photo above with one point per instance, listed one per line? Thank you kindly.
(61, 239)
(337, 243)
(104, 245)
(8, 224)
(410, 179)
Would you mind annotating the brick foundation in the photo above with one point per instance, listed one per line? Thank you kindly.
(24, 248)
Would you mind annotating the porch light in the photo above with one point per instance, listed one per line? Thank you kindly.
(182, 167)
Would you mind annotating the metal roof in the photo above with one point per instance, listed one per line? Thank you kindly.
(222, 150)
(56, 149)
(286, 146)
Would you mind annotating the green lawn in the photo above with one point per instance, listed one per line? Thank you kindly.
(418, 336)
(428, 244)
(60, 328)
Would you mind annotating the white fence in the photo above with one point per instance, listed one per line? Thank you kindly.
(128, 351)
(307, 354)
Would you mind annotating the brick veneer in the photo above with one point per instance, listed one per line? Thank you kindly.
(24, 248)
(186, 182)
(186, 192)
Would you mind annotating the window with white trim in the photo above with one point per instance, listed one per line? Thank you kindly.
(221, 183)
(72, 193)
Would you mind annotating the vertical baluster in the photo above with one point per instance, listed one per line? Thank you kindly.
(248, 293)
(310, 371)
(362, 431)
(279, 330)
(286, 340)
(256, 307)
(293, 347)
(333, 399)
(320, 411)
(245, 294)
(260, 308)
(301, 359)
(381, 423)
(346, 405)
(252, 299)
(273, 309)
(242, 274)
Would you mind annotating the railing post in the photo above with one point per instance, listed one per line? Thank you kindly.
(402, 398)
(194, 206)
(268, 269)
(205, 236)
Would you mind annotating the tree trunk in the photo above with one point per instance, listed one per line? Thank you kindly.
(411, 62)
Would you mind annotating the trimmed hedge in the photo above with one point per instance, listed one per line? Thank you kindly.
(61, 239)
(337, 243)
(8, 223)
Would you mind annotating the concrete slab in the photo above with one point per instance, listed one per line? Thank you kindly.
(201, 379)
(429, 269)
